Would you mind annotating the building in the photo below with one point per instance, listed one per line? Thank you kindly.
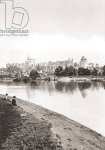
(21, 68)
(4, 72)
(83, 62)
(90, 66)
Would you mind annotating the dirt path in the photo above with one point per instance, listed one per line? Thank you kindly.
(73, 135)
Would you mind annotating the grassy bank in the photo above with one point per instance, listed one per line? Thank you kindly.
(31, 127)
(72, 135)
(19, 130)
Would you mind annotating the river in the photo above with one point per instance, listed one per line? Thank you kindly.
(82, 102)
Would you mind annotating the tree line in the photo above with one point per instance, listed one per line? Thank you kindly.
(72, 71)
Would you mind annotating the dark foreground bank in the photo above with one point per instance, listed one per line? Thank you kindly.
(19, 130)
(31, 127)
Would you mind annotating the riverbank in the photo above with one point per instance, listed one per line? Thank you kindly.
(59, 79)
(20, 130)
(81, 79)
(31, 127)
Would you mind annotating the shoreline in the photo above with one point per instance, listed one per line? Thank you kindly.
(68, 134)
(61, 79)
(81, 79)
(72, 134)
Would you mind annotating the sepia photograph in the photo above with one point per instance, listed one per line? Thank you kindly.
(52, 75)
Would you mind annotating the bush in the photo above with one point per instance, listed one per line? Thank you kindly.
(34, 74)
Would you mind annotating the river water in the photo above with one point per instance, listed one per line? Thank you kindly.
(82, 102)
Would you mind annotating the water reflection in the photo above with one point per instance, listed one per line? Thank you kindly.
(50, 87)
(66, 87)
(84, 85)
(72, 87)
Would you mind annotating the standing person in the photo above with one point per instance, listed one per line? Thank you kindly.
(6, 96)
(14, 101)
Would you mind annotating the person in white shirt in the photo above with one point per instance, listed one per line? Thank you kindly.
(6, 96)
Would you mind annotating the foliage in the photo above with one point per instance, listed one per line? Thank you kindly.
(14, 70)
(34, 74)
(84, 71)
(103, 70)
(94, 72)
(71, 71)
(59, 71)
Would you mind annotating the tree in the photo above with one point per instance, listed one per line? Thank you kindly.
(81, 71)
(84, 71)
(59, 71)
(103, 70)
(69, 71)
(94, 72)
(87, 72)
(13, 69)
(34, 74)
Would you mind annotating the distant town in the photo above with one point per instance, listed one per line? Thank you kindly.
(31, 69)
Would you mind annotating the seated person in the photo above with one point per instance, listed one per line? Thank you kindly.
(14, 101)
(5, 97)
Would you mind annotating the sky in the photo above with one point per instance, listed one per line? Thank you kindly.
(59, 29)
